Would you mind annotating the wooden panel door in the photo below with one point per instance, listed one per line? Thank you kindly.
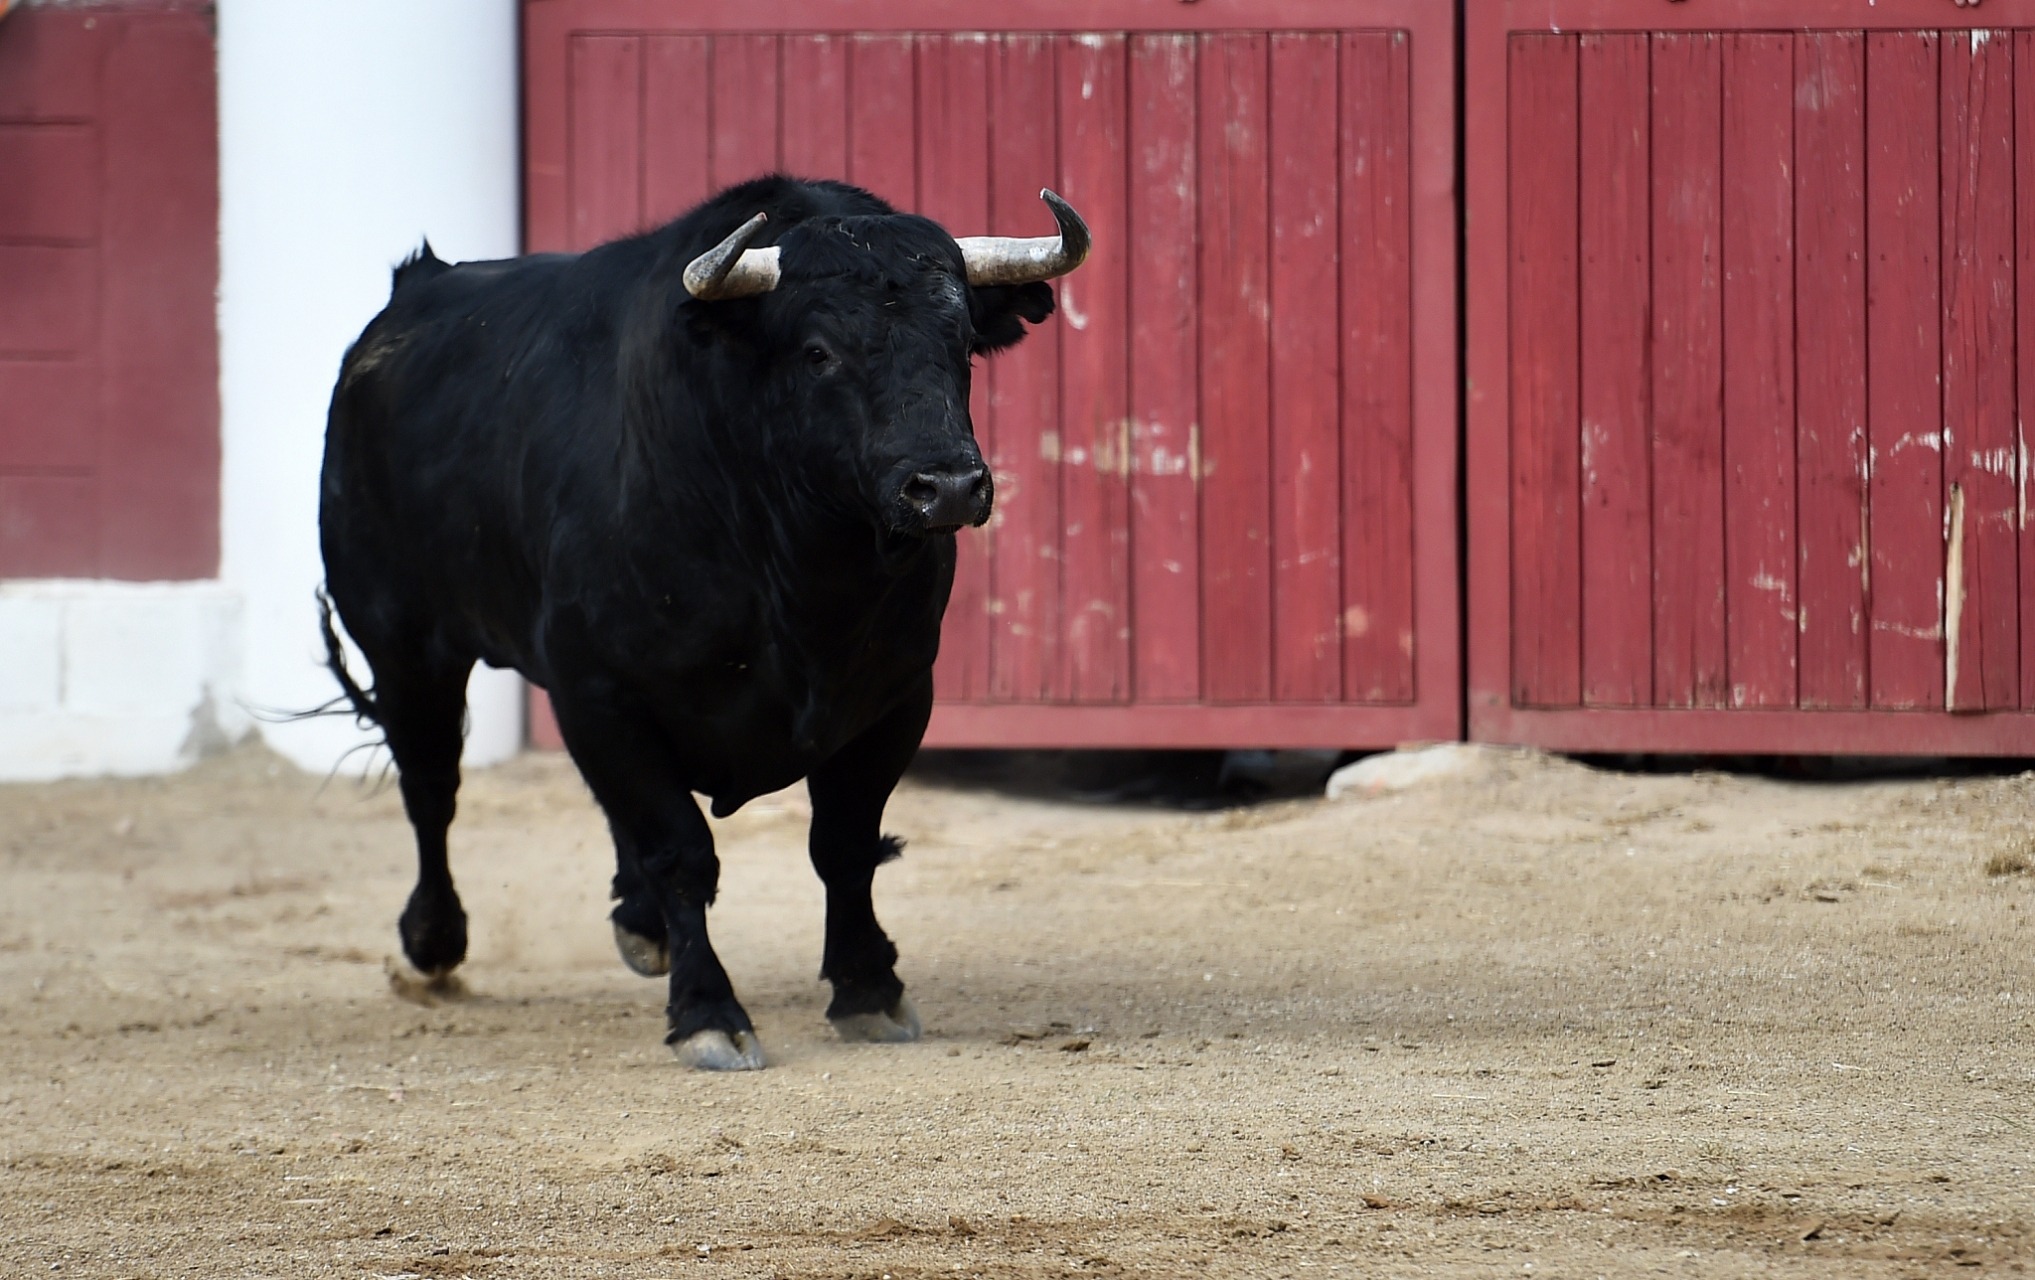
(1225, 469)
(1749, 357)
(109, 353)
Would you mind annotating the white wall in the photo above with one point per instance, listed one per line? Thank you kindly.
(348, 131)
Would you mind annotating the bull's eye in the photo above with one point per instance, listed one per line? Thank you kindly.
(818, 356)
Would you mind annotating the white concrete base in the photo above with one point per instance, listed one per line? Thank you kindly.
(116, 677)
(137, 678)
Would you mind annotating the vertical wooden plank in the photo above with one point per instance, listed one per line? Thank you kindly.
(1377, 357)
(1095, 442)
(1236, 592)
(745, 110)
(1546, 568)
(953, 130)
(2024, 342)
(546, 73)
(1024, 400)
(607, 130)
(1164, 325)
(158, 447)
(1439, 174)
(676, 112)
(1484, 299)
(1688, 439)
(882, 89)
(1979, 435)
(813, 123)
(1759, 369)
(1830, 373)
(1903, 345)
(953, 145)
(1617, 513)
(1306, 375)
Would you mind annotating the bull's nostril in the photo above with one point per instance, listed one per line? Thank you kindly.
(946, 499)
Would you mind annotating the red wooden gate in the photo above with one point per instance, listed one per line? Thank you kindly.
(1751, 316)
(109, 266)
(1225, 473)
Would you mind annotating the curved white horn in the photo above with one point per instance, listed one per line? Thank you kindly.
(1008, 260)
(728, 270)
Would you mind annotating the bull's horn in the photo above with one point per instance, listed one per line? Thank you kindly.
(1004, 260)
(730, 271)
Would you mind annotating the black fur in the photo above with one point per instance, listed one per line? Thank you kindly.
(688, 521)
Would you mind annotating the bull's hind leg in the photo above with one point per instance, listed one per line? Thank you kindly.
(422, 708)
(847, 845)
(638, 924)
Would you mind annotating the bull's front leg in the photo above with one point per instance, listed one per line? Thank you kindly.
(665, 857)
(847, 845)
(705, 1025)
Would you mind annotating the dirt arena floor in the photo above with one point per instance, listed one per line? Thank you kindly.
(1537, 1020)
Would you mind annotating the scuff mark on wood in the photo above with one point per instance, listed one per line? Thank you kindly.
(1953, 602)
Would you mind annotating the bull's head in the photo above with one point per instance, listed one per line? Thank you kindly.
(870, 322)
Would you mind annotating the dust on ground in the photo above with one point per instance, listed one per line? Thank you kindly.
(1539, 1020)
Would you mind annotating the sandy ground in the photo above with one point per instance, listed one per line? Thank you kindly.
(1540, 1020)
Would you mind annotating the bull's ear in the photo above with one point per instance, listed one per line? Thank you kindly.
(699, 321)
(1002, 309)
(706, 324)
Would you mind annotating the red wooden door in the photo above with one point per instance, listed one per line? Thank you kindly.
(1225, 471)
(109, 263)
(1751, 346)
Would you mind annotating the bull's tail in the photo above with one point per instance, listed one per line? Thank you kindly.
(366, 711)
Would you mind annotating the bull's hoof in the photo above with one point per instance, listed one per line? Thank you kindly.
(898, 1024)
(427, 989)
(650, 957)
(720, 1051)
(433, 928)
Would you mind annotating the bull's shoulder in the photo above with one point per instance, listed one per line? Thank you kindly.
(425, 289)
(443, 316)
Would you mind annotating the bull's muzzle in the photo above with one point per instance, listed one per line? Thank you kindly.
(946, 498)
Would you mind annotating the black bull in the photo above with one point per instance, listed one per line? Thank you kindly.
(703, 488)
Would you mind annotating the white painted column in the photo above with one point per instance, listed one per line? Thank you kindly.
(349, 130)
